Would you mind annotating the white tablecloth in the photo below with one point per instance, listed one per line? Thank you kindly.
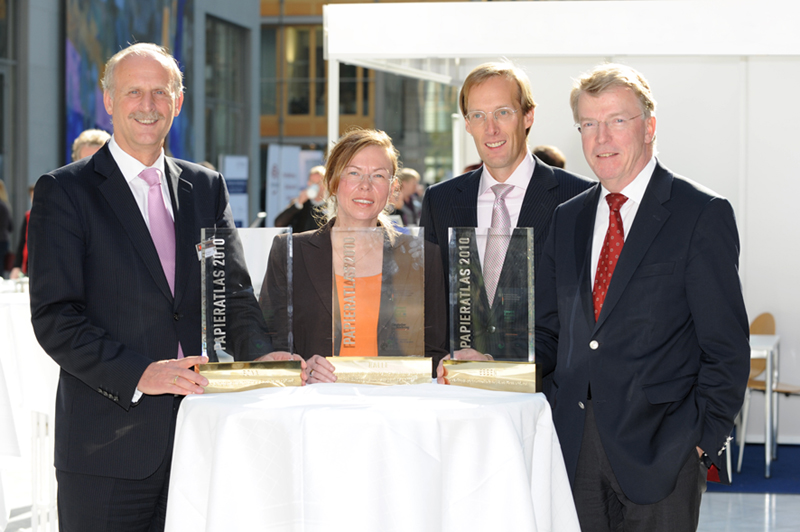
(28, 383)
(368, 458)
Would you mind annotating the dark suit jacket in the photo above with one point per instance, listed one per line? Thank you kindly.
(454, 203)
(312, 296)
(102, 309)
(668, 358)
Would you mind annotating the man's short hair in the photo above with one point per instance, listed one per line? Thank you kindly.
(610, 75)
(145, 49)
(504, 69)
(89, 137)
(550, 155)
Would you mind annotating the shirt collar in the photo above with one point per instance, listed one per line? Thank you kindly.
(519, 178)
(636, 188)
(130, 166)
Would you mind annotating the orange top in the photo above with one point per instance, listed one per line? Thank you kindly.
(359, 318)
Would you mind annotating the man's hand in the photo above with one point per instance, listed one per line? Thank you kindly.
(173, 376)
(285, 355)
(471, 354)
(320, 370)
(441, 373)
(301, 198)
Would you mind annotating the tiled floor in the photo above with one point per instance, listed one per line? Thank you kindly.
(720, 512)
(749, 512)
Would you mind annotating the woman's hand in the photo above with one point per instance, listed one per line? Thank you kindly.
(285, 355)
(320, 370)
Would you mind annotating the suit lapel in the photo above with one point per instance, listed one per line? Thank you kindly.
(650, 218)
(183, 207)
(118, 194)
(540, 201)
(317, 259)
(465, 213)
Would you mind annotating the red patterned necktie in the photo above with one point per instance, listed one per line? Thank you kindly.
(609, 255)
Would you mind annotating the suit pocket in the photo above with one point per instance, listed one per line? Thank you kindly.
(650, 270)
(670, 391)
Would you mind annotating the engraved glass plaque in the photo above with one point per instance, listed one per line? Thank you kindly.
(492, 316)
(378, 300)
(233, 269)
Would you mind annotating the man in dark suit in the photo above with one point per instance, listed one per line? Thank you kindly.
(640, 320)
(115, 298)
(498, 108)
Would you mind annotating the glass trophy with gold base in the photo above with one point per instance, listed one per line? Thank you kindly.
(236, 330)
(493, 317)
(378, 325)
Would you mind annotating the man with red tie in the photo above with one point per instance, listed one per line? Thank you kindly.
(115, 299)
(640, 321)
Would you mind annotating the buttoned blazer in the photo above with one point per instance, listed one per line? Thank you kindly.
(312, 296)
(668, 358)
(102, 309)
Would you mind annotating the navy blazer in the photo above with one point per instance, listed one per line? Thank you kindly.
(102, 309)
(668, 358)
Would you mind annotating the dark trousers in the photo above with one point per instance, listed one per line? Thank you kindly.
(603, 507)
(89, 503)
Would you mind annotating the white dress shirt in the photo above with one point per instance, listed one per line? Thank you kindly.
(634, 192)
(131, 168)
(519, 179)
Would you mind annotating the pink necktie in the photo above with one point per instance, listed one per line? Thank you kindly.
(497, 241)
(162, 228)
(612, 247)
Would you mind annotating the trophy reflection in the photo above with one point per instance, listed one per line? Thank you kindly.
(378, 295)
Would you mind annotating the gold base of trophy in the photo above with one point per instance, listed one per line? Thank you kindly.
(494, 375)
(385, 371)
(241, 376)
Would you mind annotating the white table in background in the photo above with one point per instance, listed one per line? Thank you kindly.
(332, 457)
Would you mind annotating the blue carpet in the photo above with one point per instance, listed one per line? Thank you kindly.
(785, 471)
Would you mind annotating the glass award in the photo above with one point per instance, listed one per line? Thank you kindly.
(378, 301)
(492, 308)
(236, 329)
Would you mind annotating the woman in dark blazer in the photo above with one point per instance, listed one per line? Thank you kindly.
(359, 177)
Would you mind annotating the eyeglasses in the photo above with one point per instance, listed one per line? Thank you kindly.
(590, 127)
(501, 115)
(354, 177)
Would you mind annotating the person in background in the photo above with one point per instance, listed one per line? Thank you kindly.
(6, 227)
(359, 176)
(88, 142)
(20, 266)
(640, 321)
(551, 155)
(409, 202)
(304, 211)
(115, 298)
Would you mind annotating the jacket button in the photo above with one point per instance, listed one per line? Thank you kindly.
(492, 329)
(176, 316)
(581, 405)
(594, 344)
